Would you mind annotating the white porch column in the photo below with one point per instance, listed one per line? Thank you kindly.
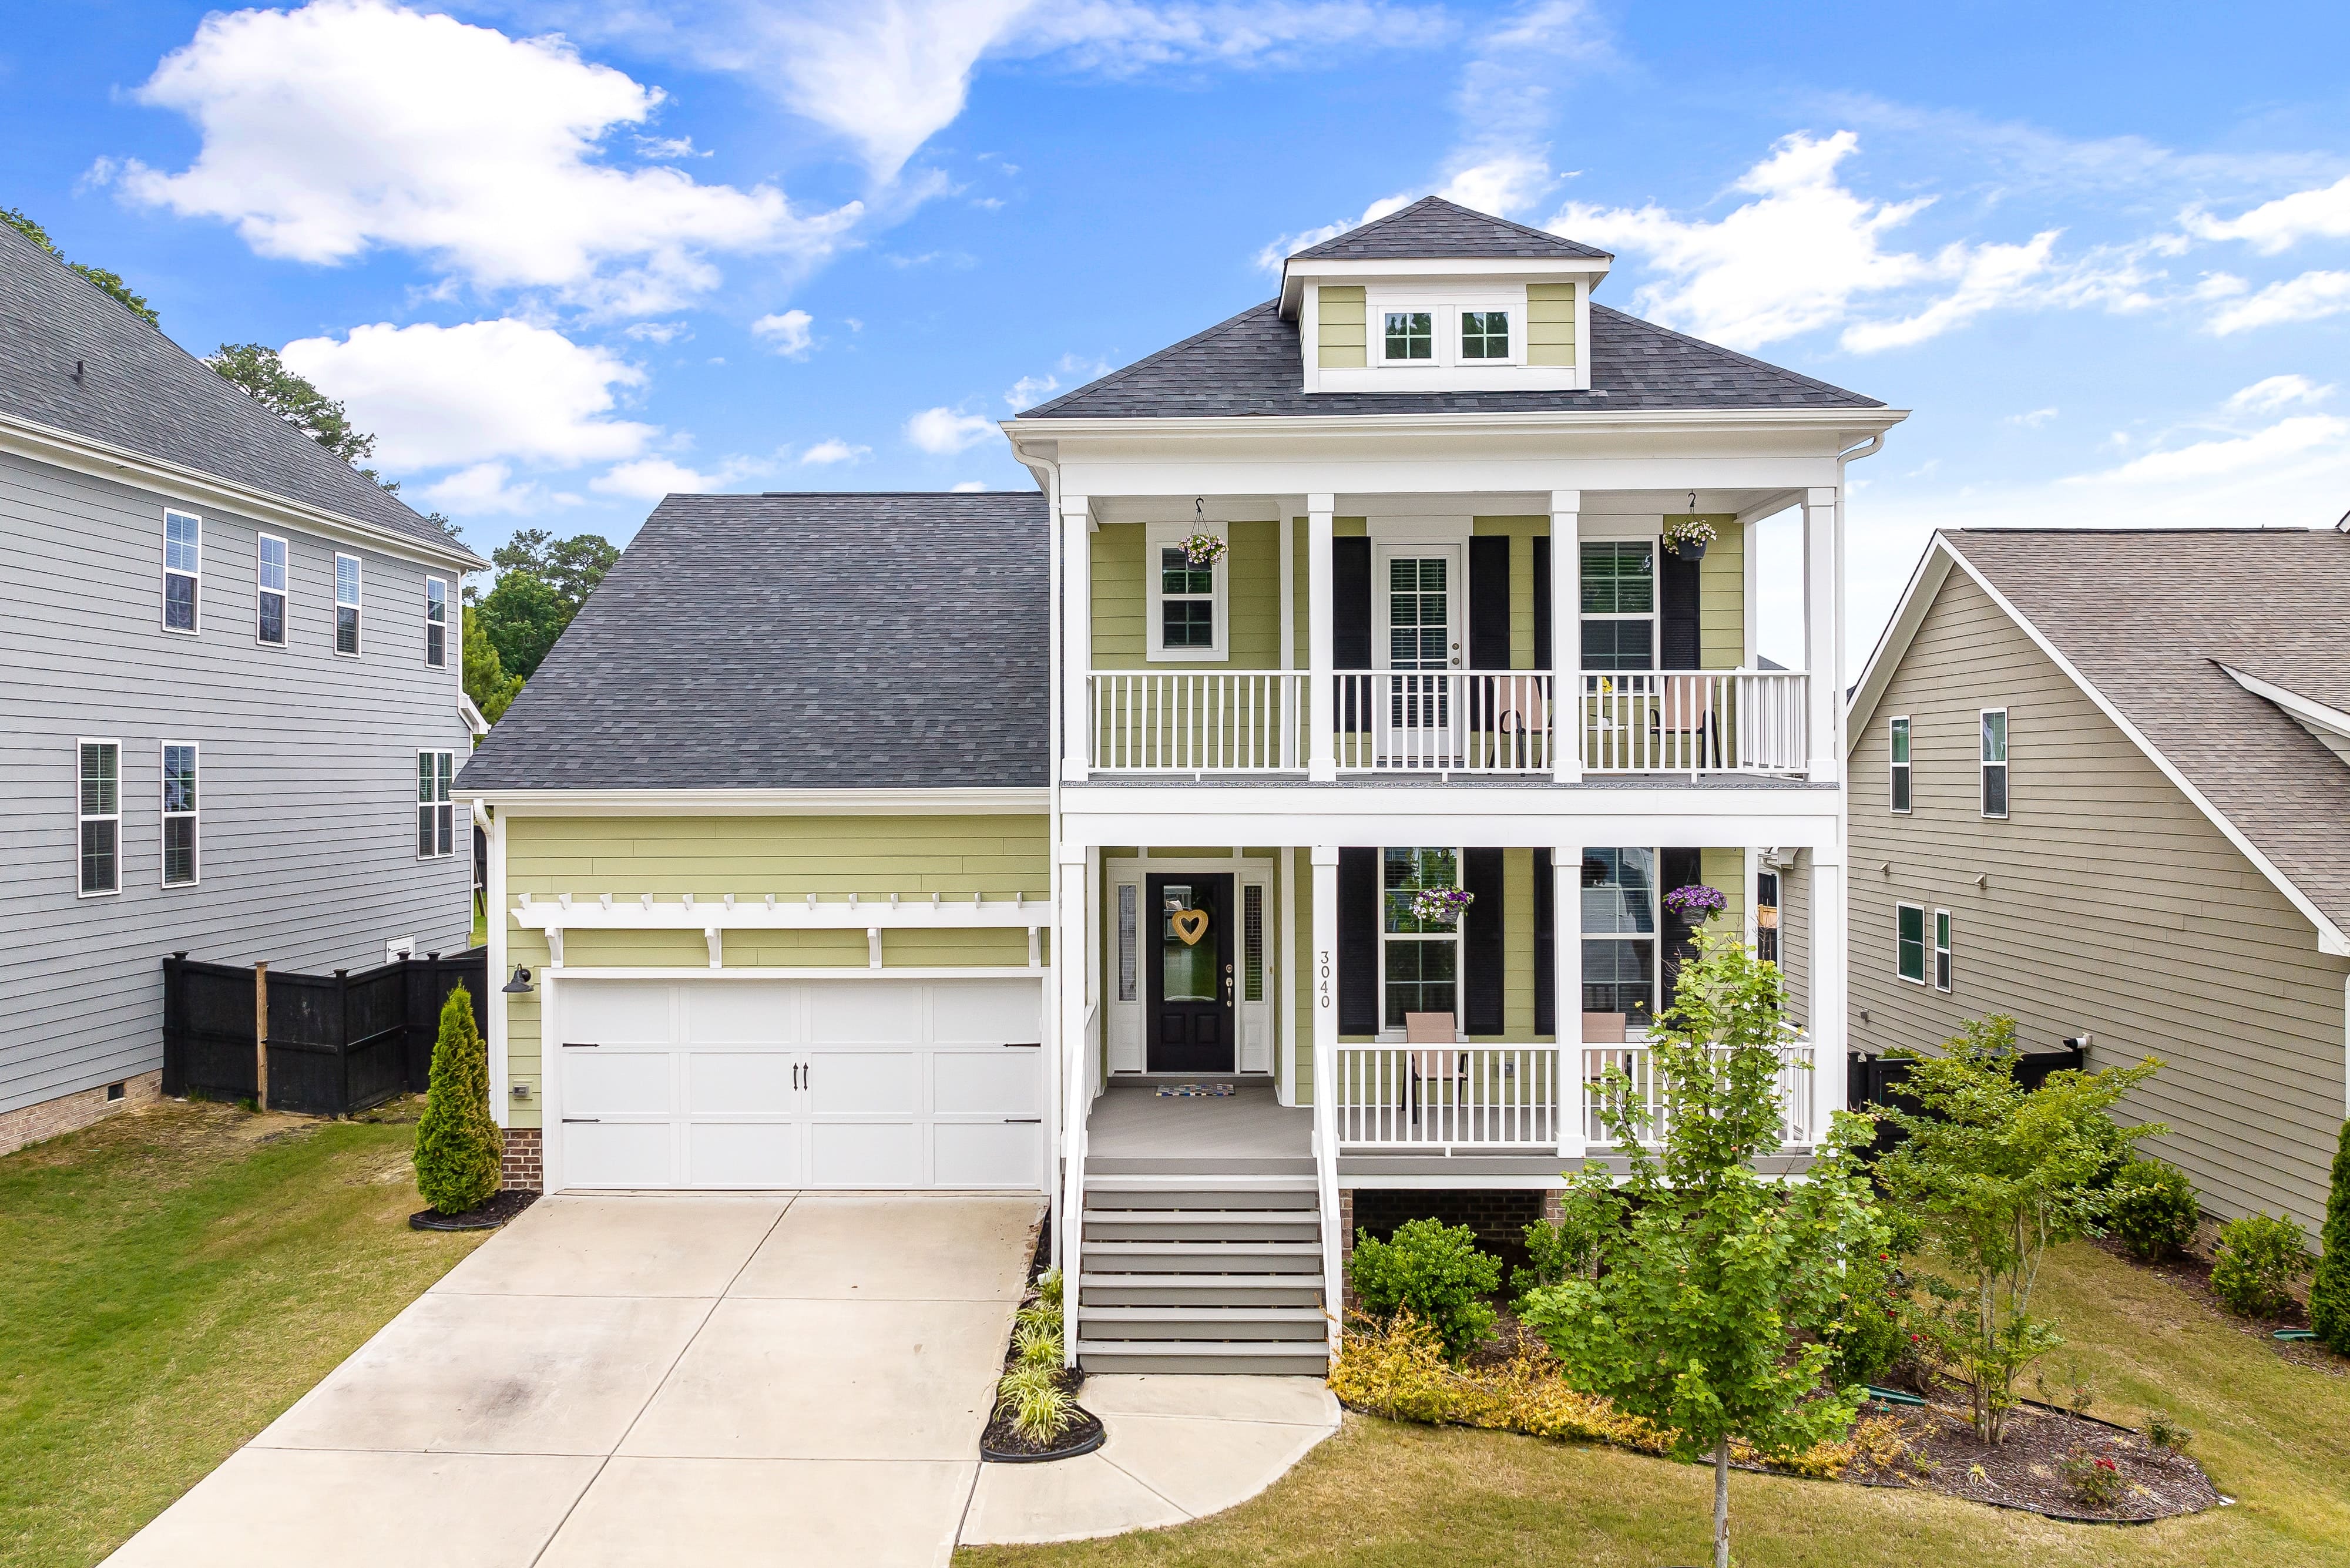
(1290, 739)
(1824, 634)
(1566, 634)
(1076, 1077)
(1567, 977)
(1825, 1005)
(1325, 1078)
(1076, 636)
(1292, 980)
(1321, 630)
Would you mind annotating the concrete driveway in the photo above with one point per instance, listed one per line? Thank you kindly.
(636, 1380)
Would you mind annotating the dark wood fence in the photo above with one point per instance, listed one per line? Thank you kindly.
(337, 1043)
(1876, 1081)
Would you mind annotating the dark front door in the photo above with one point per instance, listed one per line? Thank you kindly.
(1191, 973)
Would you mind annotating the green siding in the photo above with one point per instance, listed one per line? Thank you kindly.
(1550, 322)
(751, 857)
(1252, 599)
(1726, 869)
(1722, 596)
(1341, 312)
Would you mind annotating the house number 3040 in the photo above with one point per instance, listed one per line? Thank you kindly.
(1322, 988)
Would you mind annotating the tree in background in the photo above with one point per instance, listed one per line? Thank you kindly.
(460, 1153)
(486, 680)
(110, 282)
(542, 581)
(2329, 1293)
(572, 567)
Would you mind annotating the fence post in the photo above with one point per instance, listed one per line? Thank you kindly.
(343, 1039)
(261, 1036)
(175, 1042)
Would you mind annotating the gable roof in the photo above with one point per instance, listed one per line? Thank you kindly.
(798, 641)
(2151, 623)
(1250, 365)
(1437, 229)
(141, 392)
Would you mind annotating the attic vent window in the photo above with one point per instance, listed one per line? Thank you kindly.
(1484, 335)
(1412, 335)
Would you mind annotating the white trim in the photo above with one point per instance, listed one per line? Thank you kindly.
(493, 897)
(779, 912)
(356, 606)
(1653, 537)
(195, 579)
(475, 725)
(285, 594)
(1297, 274)
(2310, 713)
(165, 815)
(114, 816)
(1941, 951)
(1018, 801)
(1909, 769)
(1158, 536)
(809, 971)
(1460, 854)
(1925, 943)
(445, 800)
(1985, 764)
(1255, 1024)
(1626, 421)
(445, 624)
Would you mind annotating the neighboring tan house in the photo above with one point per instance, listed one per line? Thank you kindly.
(988, 840)
(2101, 783)
(230, 709)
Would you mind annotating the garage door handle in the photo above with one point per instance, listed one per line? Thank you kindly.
(583, 1118)
(1023, 1121)
(581, 1045)
(1023, 1044)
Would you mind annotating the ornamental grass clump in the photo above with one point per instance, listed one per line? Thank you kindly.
(2329, 1292)
(460, 1153)
(2259, 1258)
(1040, 1406)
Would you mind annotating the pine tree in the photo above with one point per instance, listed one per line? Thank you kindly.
(2329, 1293)
(460, 1153)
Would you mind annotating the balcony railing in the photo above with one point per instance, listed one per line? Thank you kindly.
(1446, 1098)
(1452, 722)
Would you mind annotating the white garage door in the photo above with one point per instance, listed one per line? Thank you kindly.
(791, 1084)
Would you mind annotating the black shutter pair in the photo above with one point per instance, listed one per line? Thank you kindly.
(1677, 607)
(1482, 934)
(1489, 603)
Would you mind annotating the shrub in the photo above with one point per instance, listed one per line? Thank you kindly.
(1434, 1272)
(2095, 1479)
(1399, 1370)
(2260, 1257)
(2329, 1292)
(1040, 1408)
(460, 1153)
(2165, 1432)
(2151, 1210)
(1557, 1251)
(1035, 1343)
(1873, 1332)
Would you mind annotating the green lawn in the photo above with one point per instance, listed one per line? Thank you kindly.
(2275, 1436)
(170, 1281)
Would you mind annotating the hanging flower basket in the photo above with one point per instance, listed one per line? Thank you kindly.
(1203, 549)
(1440, 905)
(1688, 538)
(1697, 902)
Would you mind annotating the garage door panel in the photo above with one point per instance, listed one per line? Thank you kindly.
(988, 1012)
(746, 1083)
(609, 1013)
(865, 1083)
(866, 1012)
(620, 1154)
(987, 1154)
(865, 1154)
(742, 1013)
(605, 1082)
(742, 1154)
(1000, 1083)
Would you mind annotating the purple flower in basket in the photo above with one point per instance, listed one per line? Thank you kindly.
(1440, 905)
(1697, 902)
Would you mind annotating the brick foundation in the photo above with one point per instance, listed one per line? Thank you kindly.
(71, 1113)
(1498, 1215)
(524, 1170)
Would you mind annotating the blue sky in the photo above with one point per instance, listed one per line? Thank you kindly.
(562, 258)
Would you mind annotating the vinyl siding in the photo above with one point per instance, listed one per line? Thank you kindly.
(1121, 599)
(2113, 906)
(1550, 322)
(1795, 937)
(307, 772)
(1722, 596)
(751, 857)
(1341, 312)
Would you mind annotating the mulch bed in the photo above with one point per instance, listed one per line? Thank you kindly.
(1935, 1450)
(2191, 1271)
(483, 1217)
(1001, 1442)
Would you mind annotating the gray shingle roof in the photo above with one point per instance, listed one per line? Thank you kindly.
(141, 392)
(2148, 616)
(1251, 365)
(1435, 228)
(812, 641)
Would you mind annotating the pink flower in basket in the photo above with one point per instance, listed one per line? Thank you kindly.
(1203, 549)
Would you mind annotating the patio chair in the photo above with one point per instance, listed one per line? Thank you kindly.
(1432, 1029)
(1686, 720)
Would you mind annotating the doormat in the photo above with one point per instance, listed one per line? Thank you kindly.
(1194, 1091)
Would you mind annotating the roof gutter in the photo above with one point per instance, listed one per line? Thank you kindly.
(1878, 418)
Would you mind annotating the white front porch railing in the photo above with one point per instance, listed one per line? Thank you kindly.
(1693, 722)
(1448, 722)
(1449, 1099)
(1209, 722)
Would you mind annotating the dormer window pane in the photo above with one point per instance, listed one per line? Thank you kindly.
(1484, 335)
(1412, 335)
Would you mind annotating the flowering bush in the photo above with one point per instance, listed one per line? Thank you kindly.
(1684, 531)
(1696, 901)
(2095, 1479)
(1203, 549)
(1440, 905)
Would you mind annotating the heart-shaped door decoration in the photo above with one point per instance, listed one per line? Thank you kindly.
(1190, 925)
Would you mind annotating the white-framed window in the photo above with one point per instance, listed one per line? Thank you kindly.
(1485, 335)
(347, 606)
(1909, 943)
(1619, 933)
(1943, 973)
(436, 813)
(98, 813)
(1426, 333)
(436, 622)
(1994, 761)
(1619, 606)
(1187, 603)
(184, 558)
(1407, 336)
(272, 579)
(1897, 737)
(1420, 962)
(179, 803)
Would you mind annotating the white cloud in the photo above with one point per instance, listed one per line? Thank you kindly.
(2231, 455)
(834, 451)
(2265, 396)
(2032, 420)
(651, 478)
(2273, 226)
(969, 486)
(787, 334)
(1029, 390)
(658, 331)
(943, 431)
(1282, 247)
(438, 397)
(347, 125)
(485, 489)
(2311, 297)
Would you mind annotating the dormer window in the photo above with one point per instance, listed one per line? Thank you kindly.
(1412, 335)
(1423, 329)
(1484, 335)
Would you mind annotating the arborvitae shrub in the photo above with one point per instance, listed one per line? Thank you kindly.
(460, 1153)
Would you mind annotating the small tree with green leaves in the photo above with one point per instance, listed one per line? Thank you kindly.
(1721, 1294)
(460, 1153)
(486, 680)
(1997, 1175)
(2329, 1292)
(108, 282)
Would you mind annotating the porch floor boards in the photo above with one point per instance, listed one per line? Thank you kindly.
(1133, 1131)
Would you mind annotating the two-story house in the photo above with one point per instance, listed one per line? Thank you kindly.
(1089, 842)
(231, 716)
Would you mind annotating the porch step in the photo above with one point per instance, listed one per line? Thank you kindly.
(1206, 1324)
(1222, 1225)
(1203, 1257)
(1185, 1357)
(1167, 1290)
(1280, 1193)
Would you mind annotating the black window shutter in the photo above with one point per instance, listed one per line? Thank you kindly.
(1545, 947)
(1677, 636)
(1481, 941)
(1542, 601)
(1677, 869)
(1350, 604)
(1489, 602)
(1358, 939)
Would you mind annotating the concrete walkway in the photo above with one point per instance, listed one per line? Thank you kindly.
(1179, 1448)
(768, 1381)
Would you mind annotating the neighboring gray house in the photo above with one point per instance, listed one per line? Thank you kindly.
(228, 686)
(2101, 783)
